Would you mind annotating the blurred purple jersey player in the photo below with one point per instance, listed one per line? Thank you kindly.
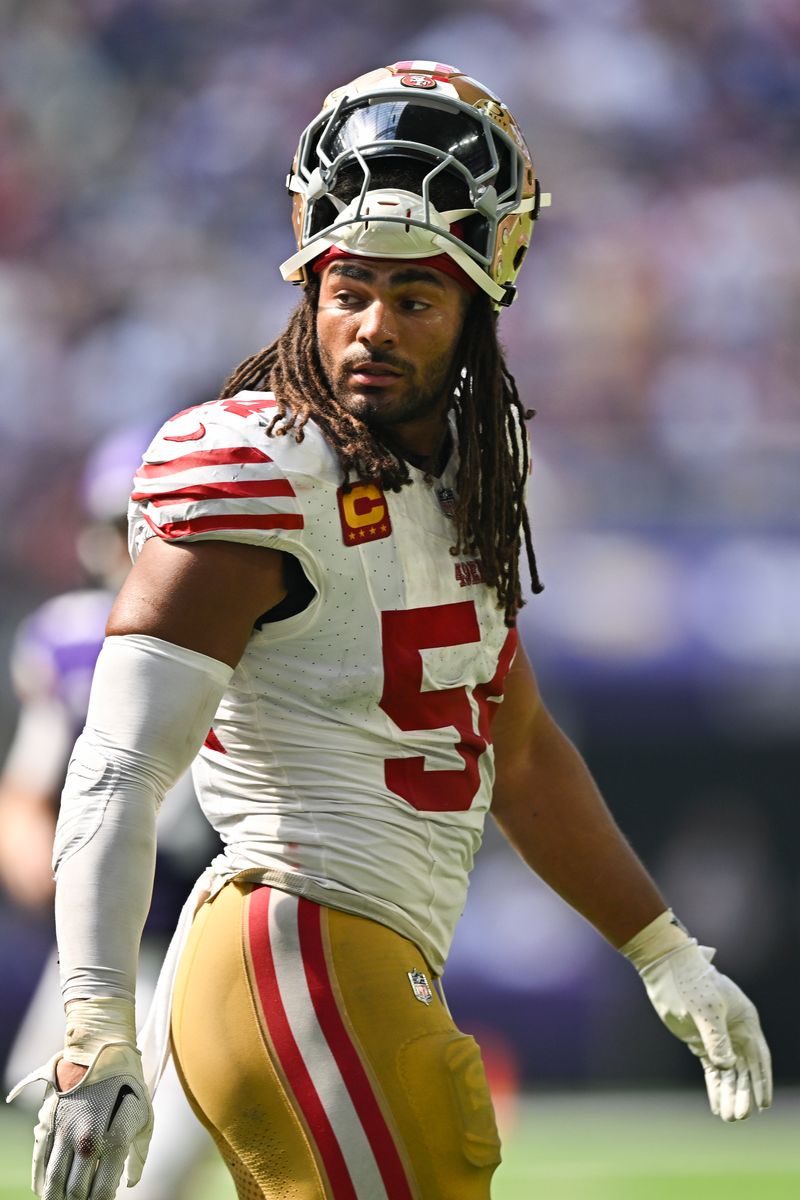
(52, 661)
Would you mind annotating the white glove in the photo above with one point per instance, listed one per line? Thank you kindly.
(708, 1012)
(84, 1136)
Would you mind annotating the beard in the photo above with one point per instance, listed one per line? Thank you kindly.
(380, 408)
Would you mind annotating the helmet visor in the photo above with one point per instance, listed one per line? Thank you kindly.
(449, 131)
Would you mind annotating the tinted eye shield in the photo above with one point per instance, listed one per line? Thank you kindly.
(450, 128)
(468, 141)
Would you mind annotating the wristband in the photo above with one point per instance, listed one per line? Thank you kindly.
(661, 937)
(92, 1024)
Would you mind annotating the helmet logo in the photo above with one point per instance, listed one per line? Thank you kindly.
(495, 112)
(417, 81)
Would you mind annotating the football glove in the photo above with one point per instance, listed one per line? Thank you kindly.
(708, 1012)
(84, 1136)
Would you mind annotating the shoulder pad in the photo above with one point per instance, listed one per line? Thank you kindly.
(210, 472)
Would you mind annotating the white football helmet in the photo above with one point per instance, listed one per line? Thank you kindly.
(459, 142)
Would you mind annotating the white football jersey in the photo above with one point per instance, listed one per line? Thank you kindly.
(350, 760)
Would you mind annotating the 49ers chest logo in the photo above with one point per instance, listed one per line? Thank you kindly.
(364, 513)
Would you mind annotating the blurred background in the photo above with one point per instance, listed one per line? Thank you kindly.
(143, 150)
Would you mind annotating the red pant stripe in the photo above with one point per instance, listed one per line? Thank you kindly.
(346, 1055)
(287, 1049)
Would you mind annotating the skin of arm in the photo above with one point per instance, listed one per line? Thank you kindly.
(26, 843)
(29, 784)
(205, 596)
(550, 810)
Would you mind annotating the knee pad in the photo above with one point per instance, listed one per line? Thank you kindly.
(446, 1086)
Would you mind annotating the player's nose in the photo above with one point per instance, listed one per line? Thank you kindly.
(377, 327)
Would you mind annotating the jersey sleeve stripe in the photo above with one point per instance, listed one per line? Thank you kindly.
(219, 491)
(224, 456)
(245, 408)
(176, 529)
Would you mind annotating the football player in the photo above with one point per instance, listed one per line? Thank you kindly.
(324, 597)
(52, 661)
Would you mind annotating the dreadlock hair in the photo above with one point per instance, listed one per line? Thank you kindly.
(490, 517)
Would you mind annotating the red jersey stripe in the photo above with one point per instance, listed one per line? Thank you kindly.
(348, 1060)
(213, 742)
(171, 529)
(218, 491)
(174, 529)
(225, 456)
(195, 436)
(287, 1049)
(245, 408)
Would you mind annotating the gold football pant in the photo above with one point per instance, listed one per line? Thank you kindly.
(314, 1049)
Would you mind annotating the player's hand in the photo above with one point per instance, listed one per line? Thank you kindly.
(718, 1023)
(85, 1135)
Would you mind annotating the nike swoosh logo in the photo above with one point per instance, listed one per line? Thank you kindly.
(186, 437)
(124, 1091)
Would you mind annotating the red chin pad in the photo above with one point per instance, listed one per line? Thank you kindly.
(441, 262)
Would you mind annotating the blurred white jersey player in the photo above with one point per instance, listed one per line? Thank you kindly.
(52, 662)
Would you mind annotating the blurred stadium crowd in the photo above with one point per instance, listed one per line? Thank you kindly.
(143, 149)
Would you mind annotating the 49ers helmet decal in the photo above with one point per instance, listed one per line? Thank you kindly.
(460, 141)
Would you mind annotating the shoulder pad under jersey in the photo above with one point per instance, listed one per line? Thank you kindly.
(214, 472)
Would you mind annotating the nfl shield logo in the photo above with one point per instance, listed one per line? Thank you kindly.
(447, 500)
(420, 986)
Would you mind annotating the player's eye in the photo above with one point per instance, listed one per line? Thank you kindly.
(346, 298)
(414, 304)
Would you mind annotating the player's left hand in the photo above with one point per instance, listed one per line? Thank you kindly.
(85, 1135)
(718, 1023)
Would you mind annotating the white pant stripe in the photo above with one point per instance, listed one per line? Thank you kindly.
(311, 1042)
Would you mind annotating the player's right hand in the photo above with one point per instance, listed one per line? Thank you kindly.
(85, 1135)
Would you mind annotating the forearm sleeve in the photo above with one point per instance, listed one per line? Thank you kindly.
(151, 707)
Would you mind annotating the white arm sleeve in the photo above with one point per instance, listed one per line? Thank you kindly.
(151, 706)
